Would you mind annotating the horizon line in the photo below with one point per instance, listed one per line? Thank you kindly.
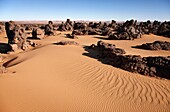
(81, 20)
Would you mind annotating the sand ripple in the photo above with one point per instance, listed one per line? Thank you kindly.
(117, 84)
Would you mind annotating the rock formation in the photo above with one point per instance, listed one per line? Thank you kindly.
(127, 31)
(17, 37)
(49, 29)
(157, 45)
(150, 66)
(164, 29)
(113, 24)
(67, 26)
(37, 33)
(84, 29)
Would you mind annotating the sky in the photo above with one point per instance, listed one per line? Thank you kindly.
(99, 10)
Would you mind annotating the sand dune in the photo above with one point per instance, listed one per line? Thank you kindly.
(56, 78)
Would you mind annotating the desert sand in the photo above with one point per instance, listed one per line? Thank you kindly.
(55, 78)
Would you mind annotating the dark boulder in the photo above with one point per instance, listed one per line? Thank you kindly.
(49, 29)
(157, 45)
(37, 33)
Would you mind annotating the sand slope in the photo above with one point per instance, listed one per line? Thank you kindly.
(62, 79)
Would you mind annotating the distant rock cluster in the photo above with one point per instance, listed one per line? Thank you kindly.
(17, 37)
(133, 29)
(128, 30)
(157, 45)
(67, 26)
(86, 29)
(150, 66)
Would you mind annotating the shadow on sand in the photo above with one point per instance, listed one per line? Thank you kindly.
(32, 38)
(139, 47)
(94, 53)
(5, 48)
(101, 38)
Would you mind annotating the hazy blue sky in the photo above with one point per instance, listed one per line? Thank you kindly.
(85, 9)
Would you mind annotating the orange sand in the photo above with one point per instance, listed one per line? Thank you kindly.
(61, 79)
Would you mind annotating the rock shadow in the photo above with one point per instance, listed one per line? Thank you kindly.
(101, 38)
(33, 38)
(5, 48)
(94, 53)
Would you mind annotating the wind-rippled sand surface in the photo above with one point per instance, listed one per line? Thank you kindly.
(62, 79)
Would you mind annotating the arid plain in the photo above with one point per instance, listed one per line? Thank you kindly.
(57, 78)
